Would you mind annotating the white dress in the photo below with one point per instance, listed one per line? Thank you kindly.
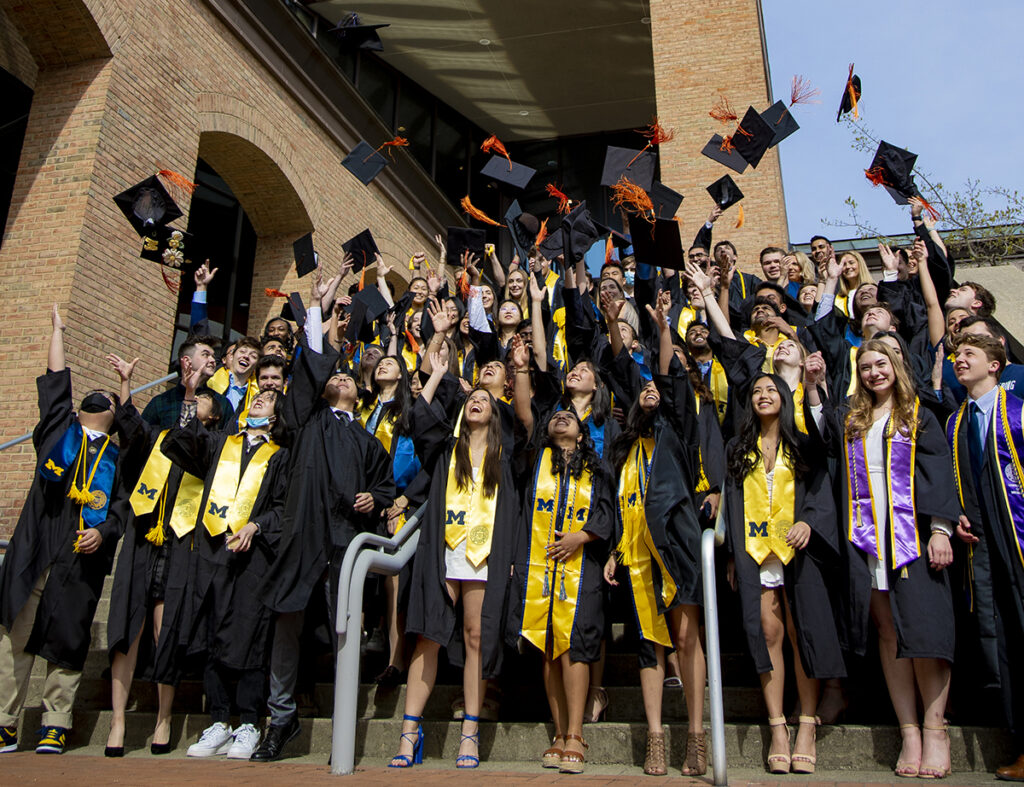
(771, 568)
(457, 565)
(875, 450)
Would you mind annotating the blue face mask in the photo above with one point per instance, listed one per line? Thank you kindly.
(255, 423)
(630, 278)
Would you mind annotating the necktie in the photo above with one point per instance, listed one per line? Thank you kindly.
(974, 442)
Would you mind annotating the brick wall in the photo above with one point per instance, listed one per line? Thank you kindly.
(702, 47)
(140, 87)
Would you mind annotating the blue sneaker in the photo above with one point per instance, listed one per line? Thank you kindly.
(52, 740)
(8, 739)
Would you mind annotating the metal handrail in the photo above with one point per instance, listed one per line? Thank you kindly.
(389, 557)
(140, 389)
(714, 654)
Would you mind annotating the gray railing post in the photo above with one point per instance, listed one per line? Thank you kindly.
(714, 658)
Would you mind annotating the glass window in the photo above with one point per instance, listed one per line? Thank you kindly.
(451, 148)
(376, 83)
(415, 121)
(13, 123)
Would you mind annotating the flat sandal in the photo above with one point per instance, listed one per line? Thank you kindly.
(572, 761)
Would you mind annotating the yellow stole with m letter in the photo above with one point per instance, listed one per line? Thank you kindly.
(767, 517)
(231, 500)
(469, 515)
(151, 490)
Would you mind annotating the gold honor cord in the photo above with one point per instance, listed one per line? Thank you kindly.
(230, 502)
(768, 518)
(82, 495)
(469, 516)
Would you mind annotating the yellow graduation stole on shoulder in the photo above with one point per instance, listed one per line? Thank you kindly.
(798, 408)
(385, 431)
(411, 358)
(252, 390)
(719, 388)
(840, 303)
(853, 372)
(231, 500)
(151, 491)
(469, 516)
(636, 548)
(555, 506)
(686, 316)
(768, 366)
(703, 484)
(220, 381)
(767, 519)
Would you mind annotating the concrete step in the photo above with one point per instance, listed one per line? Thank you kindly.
(974, 749)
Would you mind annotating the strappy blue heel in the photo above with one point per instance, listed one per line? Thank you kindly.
(417, 746)
(473, 761)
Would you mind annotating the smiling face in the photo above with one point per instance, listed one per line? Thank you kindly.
(202, 356)
(793, 270)
(564, 426)
(388, 371)
(341, 390)
(493, 376)
(420, 291)
(962, 297)
(697, 337)
(487, 296)
(788, 354)
(806, 295)
(867, 295)
(243, 361)
(414, 323)
(820, 249)
(608, 285)
(581, 379)
(876, 372)
(274, 347)
(765, 398)
(263, 404)
(771, 266)
(509, 314)
(277, 328)
(973, 365)
(650, 397)
(850, 268)
(953, 319)
(762, 314)
(516, 284)
(271, 378)
(477, 411)
(875, 319)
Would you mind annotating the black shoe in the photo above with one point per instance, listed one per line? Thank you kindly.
(390, 678)
(113, 751)
(275, 738)
(160, 748)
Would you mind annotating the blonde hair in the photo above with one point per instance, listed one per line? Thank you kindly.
(862, 402)
(523, 301)
(808, 272)
(863, 274)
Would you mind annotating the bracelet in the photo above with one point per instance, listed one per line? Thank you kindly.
(522, 371)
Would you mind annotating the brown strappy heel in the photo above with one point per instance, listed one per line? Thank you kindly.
(696, 762)
(552, 758)
(654, 761)
(573, 761)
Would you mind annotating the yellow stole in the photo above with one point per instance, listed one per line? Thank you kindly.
(686, 316)
(841, 304)
(252, 390)
(568, 513)
(469, 516)
(231, 500)
(410, 359)
(636, 548)
(769, 361)
(719, 389)
(703, 484)
(853, 372)
(151, 491)
(220, 381)
(385, 431)
(767, 522)
(798, 408)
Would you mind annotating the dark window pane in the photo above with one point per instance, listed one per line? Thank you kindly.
(452, 143)
(13, 122)
(377, 86)
(415, 120)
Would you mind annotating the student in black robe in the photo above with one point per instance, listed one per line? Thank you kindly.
(782, 539)
(60, 552)
(901, 492)
(562, 613)
(989, 486)
(446, 578)
(147, 598)
(230, 625)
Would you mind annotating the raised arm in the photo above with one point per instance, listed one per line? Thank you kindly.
(124, 371)
(55, 360)
(936, 320)
(712, 307)
(497, 272)
(611, 309)
(665, 352)
(540, 341)
(521, 397)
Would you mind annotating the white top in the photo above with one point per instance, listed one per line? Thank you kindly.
(771, 568)
(875, 456)
(457, 565)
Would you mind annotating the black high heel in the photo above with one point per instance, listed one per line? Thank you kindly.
(113, 751)
(160, 748)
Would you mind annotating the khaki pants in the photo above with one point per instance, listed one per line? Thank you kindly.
(16, 669)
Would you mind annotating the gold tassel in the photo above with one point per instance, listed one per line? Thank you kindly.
(80, 496)
(740, 218)
(78, 541)
(155, 536)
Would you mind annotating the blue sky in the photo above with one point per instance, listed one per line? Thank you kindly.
(940, 78)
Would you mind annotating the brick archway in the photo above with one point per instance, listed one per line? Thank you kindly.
(61, 33)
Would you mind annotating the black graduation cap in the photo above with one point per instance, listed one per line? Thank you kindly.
(352, 34)
(162, 244)
(893, 169)
(553, 246)
(731, 159)
(578, 233)
(848, 103)
(636, 165)
(462, 239)
(294, 310)
(781, 119)
(725, 192)
(147, 205)
(367, 305)
(517, 175)
(666, 201)
(305, 256)
(364, 162)
(753, 137)
(619, 241)
(523, 228)
(363, 249)
(656, 244)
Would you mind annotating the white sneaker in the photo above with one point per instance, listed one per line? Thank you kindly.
(216, 739)
(246, 739)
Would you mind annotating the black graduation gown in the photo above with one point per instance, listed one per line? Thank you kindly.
(588, 621)
(139, 561)
(44, 538)
(431, 613)
(804, 575)
(229, 621)
(921, 602)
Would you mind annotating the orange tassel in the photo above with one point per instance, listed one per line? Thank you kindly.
(722, 111)
(493, 145)
(270, 292)
(362, 279)
(876, 175)
(628, 196)
(463, 283)
(411, 340)
(656, 133)
(542, 233)
(739, 218)
(853, 93)
(397, 142)
(178, 180)
(727, 146)
(564, 203)
(608, 246)
(476, 213)
(744, 132)
(802, 92)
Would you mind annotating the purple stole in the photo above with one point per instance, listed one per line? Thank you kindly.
(864, 533)
(1007, 428)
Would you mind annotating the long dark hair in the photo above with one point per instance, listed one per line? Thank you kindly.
(744, 455)
(600, 401)
(491, 470)
(399, 409)
(583, 458)
(639, 423)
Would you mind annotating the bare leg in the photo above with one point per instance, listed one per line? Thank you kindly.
(933, 680)
(651, 687)
(164, 692)
(899, 677)
(472, 683)
(555, 689)
(121, 671)
(773, 683)
(597, 699)
(576, 680)
(422, 673)
(396, 627)
(685, 623)
(807, 689)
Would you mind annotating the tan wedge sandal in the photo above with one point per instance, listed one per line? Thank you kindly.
(779, 763)
(805, 763)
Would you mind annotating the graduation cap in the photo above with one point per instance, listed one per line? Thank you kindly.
(523, 228)
(462, 239)
(366, 162)
(725, 192)
(353, 34)
(305, 256)
(166, 245)
(363, 249)
(851, 95)
(294, 310)
(578, 233)
(367, 306)
(619, 241)
(637, 165)
(657, 244)
(508, 172)
(753, 137)
(666, 201)
(147, 205)
(892, 168)
(553, 246)
(723, 153)
(781, 120)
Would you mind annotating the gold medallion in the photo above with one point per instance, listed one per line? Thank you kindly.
(99, 499)
(245, 508)
(479, 535)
